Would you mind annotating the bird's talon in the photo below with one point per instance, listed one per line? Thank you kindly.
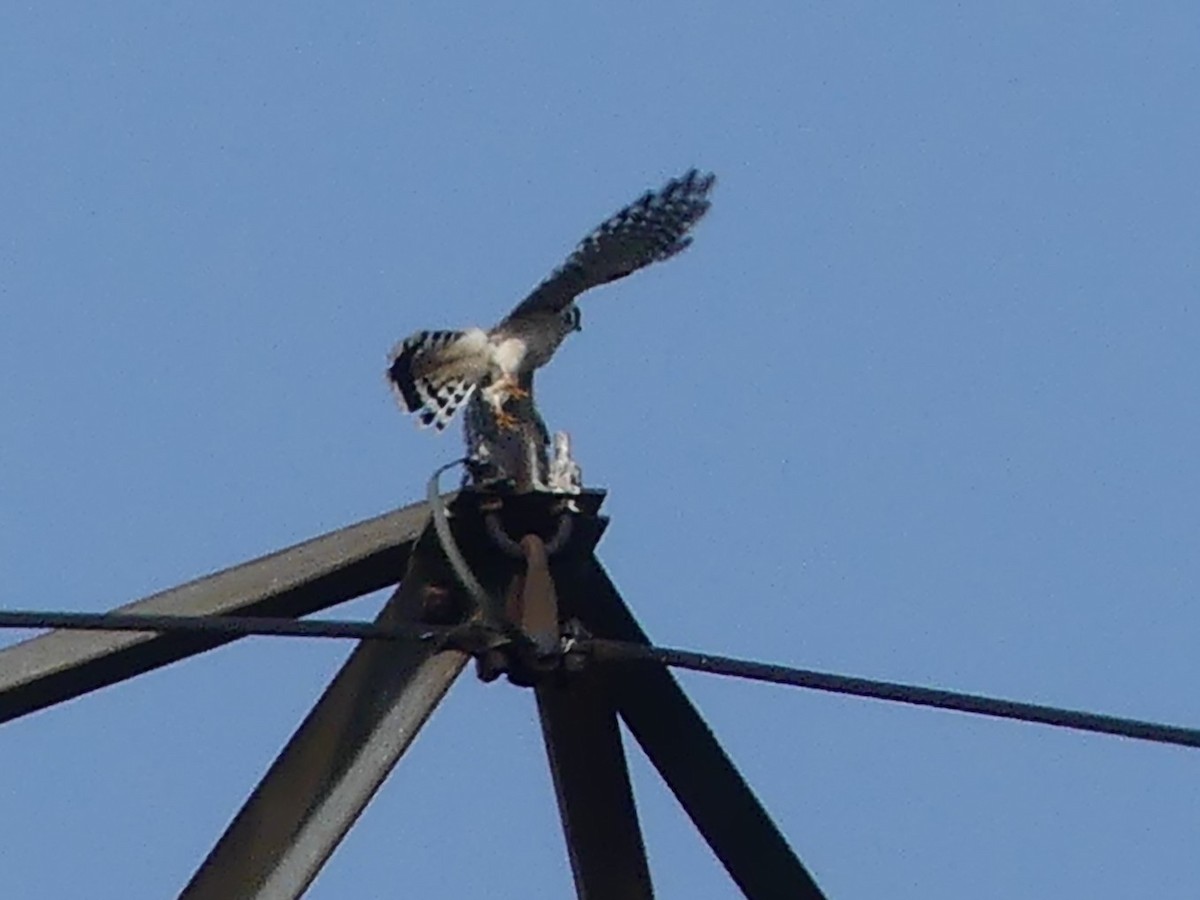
(506, 420)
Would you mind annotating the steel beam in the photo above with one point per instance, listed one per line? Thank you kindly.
(300, 580)
(687, 755)
(595, 799)
(340, 755)
(583, 741)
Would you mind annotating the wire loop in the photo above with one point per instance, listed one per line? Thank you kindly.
(488, 606)
(501, 538)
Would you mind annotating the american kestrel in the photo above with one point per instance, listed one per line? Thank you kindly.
(434, 372)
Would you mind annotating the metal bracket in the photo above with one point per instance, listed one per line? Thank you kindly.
(531, 607)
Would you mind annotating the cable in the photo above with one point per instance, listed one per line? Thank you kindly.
(620, 651)
(468, 639)
(441, 525)
(229, 626)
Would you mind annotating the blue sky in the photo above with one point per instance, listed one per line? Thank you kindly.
(920, 403)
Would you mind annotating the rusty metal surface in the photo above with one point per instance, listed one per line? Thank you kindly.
(686, 754)
(303, 579)
(539, 602)
(531, 650)
(341, 754)
(591, 781)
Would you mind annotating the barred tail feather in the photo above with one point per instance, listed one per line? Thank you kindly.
(441, 400)
(433, 373)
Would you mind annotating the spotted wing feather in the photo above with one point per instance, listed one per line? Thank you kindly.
(652, 228)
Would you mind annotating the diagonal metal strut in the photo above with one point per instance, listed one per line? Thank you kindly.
(371, 712)
(300, 580)
(595, 797)
(369, 715)
(583, 746)
(339, 757)
(688, 756)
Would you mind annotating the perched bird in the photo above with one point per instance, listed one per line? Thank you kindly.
(433, 373)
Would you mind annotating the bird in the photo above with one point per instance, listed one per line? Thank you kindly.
(433, 373)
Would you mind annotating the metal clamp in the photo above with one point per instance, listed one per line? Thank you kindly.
(531, 606)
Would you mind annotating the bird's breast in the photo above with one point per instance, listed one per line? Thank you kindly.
(508, 354)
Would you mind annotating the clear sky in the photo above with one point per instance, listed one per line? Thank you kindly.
(920, 403)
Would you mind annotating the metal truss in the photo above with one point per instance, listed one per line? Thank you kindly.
(533, 556)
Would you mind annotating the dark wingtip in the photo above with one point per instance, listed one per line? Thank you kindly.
(693, 182)
(399, 373)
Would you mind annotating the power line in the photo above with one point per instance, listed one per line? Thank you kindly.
(230, 626)
(620, 652)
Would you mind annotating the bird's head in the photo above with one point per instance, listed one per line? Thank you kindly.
(572, 318)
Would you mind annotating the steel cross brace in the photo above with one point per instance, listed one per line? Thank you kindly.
(374, 707)
(687, 755)
(371, 712)
(578, 706)
(300, 580)
(579, 723)
(341, 754)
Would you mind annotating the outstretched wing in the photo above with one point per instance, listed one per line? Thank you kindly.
(653, 227)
